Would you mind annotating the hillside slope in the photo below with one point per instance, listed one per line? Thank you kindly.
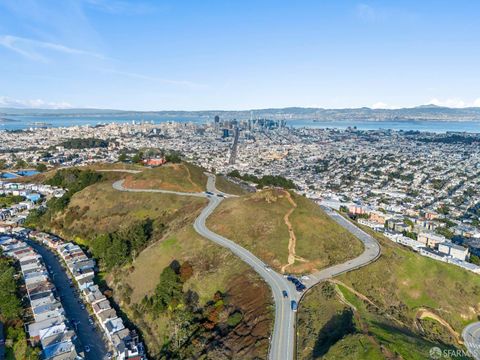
(403, 304)
(224, 306)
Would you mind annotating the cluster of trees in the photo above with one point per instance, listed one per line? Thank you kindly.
(74, 180)
(452, 139)
(193, 326)
(266, 180)
(84, 143)
(11, 313)
(119, 247)
(7, 200)
(10, 305)
(170, 156)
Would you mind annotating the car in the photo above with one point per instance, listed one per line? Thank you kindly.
(87, 348)
(82, 306)
(285, 294)
(268, 268)
(209, 193)
(220, 195)
(90, 321)
(305, 277)
(300, 287)
(293, 305)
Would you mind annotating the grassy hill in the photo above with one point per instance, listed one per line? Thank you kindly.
(281, 228)
(214, 269)
(223, 184)
(176, 177)
(225, 308)
(404, 303)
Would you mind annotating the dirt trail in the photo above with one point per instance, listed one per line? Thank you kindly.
(364, 298)
(292, 241)
(189, 177)
(424, 313)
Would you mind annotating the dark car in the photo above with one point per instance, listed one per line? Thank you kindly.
(285, 294)
(293, 305)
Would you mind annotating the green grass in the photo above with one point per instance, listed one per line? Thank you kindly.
(320, 239)
(403, 281)
(223, 184)
(355, 347)
(397, 339)
(256, 221)
(100, 209)
(176, 177)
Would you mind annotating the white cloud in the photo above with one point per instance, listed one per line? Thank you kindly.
(476, 103)
(380, 105)
(450, 102)
(6, 101)
(33, 49)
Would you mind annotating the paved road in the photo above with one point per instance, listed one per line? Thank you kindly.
(371, 251)
(120, 170)
(282, 342)
(73, 310)
(471, 337)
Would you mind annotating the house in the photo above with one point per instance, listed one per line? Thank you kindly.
(378, 217)
(154, 162)
(453, 250)
(431, 240)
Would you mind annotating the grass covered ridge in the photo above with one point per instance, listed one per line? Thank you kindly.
(257, 222)
(336, 323)
(175, 177)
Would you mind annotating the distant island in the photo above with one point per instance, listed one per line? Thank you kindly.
(419, 113)
(5, 120)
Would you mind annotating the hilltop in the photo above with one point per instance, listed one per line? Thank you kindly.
(286, 230)
(423, 112)
(183, 177)
(145, 242)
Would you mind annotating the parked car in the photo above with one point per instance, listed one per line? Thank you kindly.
(285, 294)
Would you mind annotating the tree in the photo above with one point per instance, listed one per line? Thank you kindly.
(122, 157)
(474, 259)
(138, 157)
(10, 305)
(21, 164)
(41, 167)
(169, 291)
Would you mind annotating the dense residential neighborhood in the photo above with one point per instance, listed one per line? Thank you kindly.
(417, 189)
(51, 327)
(427, 178)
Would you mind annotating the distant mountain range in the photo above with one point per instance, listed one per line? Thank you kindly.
(419, 113)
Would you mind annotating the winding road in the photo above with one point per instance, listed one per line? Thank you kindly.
(471, 337)
(282, 342)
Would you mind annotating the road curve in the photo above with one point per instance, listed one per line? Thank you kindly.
(471, 337)
(282, 341)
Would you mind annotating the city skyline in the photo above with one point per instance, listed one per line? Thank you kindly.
(227, 56)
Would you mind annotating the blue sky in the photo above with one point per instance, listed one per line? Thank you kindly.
(206, 54)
